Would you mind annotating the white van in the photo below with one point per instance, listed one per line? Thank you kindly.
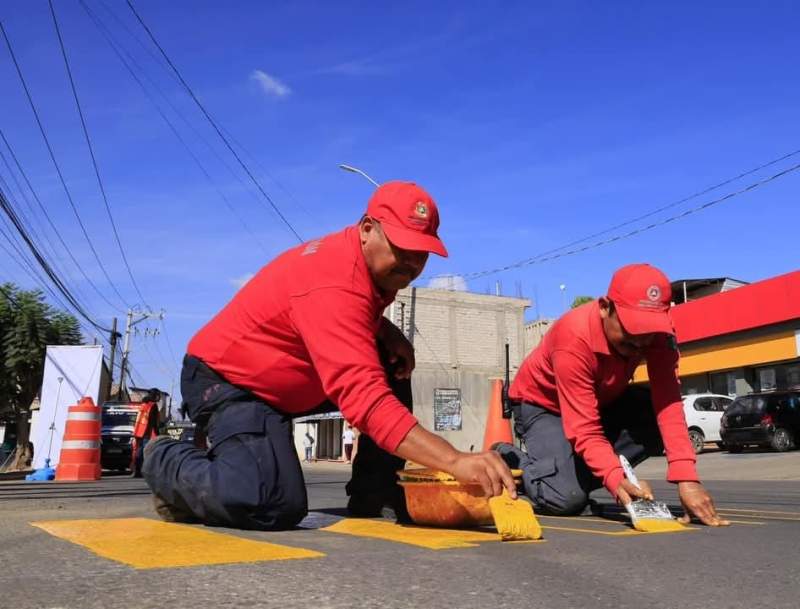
(703, 412)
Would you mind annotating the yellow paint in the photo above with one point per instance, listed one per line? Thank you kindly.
(514, 518)
(151, 544)
(726, 509)
(625, 533)
(749, 352)
(431, 538)
(762, 516)
(657, 525)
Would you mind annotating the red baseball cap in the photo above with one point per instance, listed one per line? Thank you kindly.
(408, 216)
(642, 294)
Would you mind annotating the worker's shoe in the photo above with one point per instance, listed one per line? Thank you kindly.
(513, 456)
(170, 513)
(167, 511)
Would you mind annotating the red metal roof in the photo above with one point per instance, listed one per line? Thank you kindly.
(759, 304)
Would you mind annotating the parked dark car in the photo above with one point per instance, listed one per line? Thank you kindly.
(764, 419)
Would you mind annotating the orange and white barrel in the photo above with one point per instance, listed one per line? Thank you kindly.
(80, 449)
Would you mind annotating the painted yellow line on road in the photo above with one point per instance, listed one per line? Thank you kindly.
(760, 516)
(151, 544)
(581, 519)
(749, 511)
(424, 537)
(629, 533)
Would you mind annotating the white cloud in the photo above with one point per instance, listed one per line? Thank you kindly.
(363, 67)
(270, 85)
(454, 283)
(238, 282)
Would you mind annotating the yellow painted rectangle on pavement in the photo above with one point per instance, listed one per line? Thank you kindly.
(425, 537)
(151, 544)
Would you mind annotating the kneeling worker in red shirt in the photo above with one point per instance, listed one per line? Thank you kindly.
(576, 412)
(307, 334)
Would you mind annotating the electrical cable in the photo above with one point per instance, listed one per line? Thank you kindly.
(214, 124)
(6, 207)
(61, 175)
(118, 50)
(91, 153)
(44, 211)
(693, 210)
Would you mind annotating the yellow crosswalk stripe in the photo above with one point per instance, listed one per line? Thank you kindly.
(424, 537)
(143, 543)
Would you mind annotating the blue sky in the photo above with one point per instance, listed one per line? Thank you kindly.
(532, 125)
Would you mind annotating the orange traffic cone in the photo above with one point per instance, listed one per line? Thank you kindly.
(80, 450)
(498, 429)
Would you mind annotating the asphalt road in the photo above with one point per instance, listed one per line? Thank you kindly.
(583, 562)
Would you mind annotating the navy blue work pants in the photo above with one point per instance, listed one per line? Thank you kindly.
(251, 476)
(556, 479)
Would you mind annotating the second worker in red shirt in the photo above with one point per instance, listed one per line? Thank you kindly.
(576, 411)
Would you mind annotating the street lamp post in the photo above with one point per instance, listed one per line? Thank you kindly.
(360, 172)
(563, 288)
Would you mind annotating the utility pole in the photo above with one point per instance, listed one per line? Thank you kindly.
(114, 336)
(134, 317)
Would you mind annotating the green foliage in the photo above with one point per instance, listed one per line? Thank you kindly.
(579, 300)
(27, 325)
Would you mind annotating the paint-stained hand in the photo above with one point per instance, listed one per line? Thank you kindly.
(627, 491)
(399, 350)
(487, 469)
(697, 502)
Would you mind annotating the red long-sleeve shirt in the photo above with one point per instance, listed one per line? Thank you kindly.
(303, 330)
(575, 373)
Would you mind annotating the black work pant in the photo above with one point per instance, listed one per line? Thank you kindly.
(251, 476)
(556, 479)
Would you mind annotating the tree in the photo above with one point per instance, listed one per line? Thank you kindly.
(579, 300)
(27, 325)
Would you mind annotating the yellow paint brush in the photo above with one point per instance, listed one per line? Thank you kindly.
(648, 516)
(514, 518)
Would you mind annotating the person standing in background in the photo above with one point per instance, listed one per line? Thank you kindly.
(348, 438)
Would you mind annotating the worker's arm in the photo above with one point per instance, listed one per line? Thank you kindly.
(487, 468)
(662, 370)
(398, 347)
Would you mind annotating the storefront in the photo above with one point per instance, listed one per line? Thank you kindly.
(325, 431)
(740, 341)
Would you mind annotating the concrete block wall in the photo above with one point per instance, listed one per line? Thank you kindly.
(459, 340)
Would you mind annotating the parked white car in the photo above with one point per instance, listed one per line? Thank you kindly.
(703, 412)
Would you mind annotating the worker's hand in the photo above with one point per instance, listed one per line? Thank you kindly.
(696, 501)
(627, 491)
(399, 350)
(487, 469)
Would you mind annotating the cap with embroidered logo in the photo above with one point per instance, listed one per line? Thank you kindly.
(408, 215)
(642, 294)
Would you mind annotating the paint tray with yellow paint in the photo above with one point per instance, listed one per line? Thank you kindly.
(436, 498)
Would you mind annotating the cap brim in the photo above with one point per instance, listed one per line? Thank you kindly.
(637, 321)
(407, 239)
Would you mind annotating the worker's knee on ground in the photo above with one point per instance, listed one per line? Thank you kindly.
(570, 503)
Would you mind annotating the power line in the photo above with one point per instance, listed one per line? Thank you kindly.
(6, 207)
(46, 246)
(544, 257)
(213, 123)
(47, 215)
(34, 275)
(60, 175)
(92, 155)
(118, 50)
